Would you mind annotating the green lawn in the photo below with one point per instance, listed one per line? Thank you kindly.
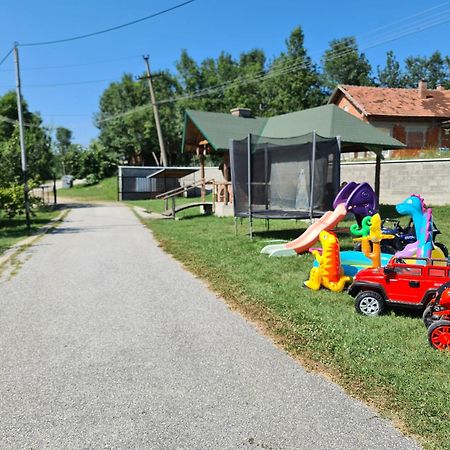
(14, 230)
(158, 206)
(106, 190)
(385, 361)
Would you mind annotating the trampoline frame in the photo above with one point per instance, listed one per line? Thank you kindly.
(280, 214)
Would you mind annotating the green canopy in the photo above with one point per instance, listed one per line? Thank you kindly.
(328, 121)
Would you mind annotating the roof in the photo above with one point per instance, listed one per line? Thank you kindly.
(218, 128)
(156, 171)
(376, 101)
(328, 121)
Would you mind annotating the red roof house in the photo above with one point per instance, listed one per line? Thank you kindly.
(420, 118)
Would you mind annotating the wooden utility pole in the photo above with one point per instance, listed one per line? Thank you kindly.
(23, 153)
(156, 113)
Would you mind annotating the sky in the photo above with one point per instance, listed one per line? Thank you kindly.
(64, 82)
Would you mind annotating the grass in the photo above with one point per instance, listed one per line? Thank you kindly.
(158, 206)
(106, 190)
(14, 230)
(385, 361)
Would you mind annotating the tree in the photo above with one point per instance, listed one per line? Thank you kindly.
(248, 92)
(63, 142)
(343, 64)
(126, 122)
(292, 81)
(391, 75)
(40, 158)
(435, 70)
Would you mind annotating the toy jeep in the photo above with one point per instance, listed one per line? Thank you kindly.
(411, 283)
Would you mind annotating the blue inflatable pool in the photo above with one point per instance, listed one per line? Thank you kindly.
(352, 261)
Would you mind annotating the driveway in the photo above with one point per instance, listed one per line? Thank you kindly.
(107, 342)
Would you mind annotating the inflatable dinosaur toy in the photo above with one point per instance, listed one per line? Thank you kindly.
(422, 217)
(329, 273)
(370, 232)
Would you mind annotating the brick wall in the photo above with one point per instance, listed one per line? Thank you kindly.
(399, 179)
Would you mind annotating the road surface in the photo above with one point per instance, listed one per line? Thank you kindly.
(106, 342)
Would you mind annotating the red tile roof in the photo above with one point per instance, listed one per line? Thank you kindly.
(375, 101)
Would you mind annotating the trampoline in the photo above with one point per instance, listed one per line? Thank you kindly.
(284, 178)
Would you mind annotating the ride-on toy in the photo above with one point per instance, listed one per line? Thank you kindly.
(404, 236)
(411, 283)
(436, 318)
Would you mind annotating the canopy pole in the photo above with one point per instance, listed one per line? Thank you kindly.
(337, 166)
(266, 181)
(312, 177)
(377, 177)
(249, 184)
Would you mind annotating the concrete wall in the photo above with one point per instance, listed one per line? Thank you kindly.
(400, 178)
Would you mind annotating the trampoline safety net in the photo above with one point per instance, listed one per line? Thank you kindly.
(276, 177)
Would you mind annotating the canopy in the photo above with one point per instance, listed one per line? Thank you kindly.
(328, 121)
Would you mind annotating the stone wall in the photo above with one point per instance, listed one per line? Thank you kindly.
(400, 178)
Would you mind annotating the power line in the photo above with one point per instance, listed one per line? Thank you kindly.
(6, 56)
(403, 19)
(396, 34)
(297, 66)
(412, 28)
(278, 72)
(71, 66)
(69, 83)
(107, 30)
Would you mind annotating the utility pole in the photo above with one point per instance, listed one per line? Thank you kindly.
(156, 113)
(23, 153)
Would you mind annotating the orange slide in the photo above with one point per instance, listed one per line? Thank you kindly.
(328, 221)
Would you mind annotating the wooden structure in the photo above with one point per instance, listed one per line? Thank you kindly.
(210, 133)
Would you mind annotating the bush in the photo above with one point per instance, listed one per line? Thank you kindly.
(12, 200)
(91, 179)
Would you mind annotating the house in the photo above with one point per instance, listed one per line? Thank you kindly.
(210, 132)
(420, 118)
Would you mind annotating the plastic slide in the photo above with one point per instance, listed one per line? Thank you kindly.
(357, 198)
(328, 221)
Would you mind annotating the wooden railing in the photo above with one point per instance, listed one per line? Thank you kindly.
(223, 192)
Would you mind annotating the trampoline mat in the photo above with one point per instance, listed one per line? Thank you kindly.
(285, 214)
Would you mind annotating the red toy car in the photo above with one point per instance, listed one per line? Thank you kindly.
(413, 284)
(437, 319)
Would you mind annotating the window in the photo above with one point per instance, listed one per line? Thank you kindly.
(437, 273)
(415, 139)
(410, 271)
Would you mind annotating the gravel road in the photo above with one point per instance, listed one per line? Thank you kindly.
(106, 342)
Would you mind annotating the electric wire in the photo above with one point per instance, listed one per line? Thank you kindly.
(107, 30)
(71, 66)
(396, 34)
(6, 56)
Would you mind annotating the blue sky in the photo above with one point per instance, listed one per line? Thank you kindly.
(204, 28)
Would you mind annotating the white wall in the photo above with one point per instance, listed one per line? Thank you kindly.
(401, 178)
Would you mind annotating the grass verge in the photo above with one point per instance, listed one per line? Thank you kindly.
(385, 361)
(106, 191)
(14, 230)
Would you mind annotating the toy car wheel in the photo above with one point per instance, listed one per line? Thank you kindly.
(370, 303)
(439, 335)
(427, 316)
(443, 248)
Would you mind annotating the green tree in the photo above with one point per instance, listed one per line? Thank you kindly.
(40, 158)
(391, 75)
(343, 64)
(248, 91)
(292, 81)
(126, 122)
(433, 69)
(63, 142)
